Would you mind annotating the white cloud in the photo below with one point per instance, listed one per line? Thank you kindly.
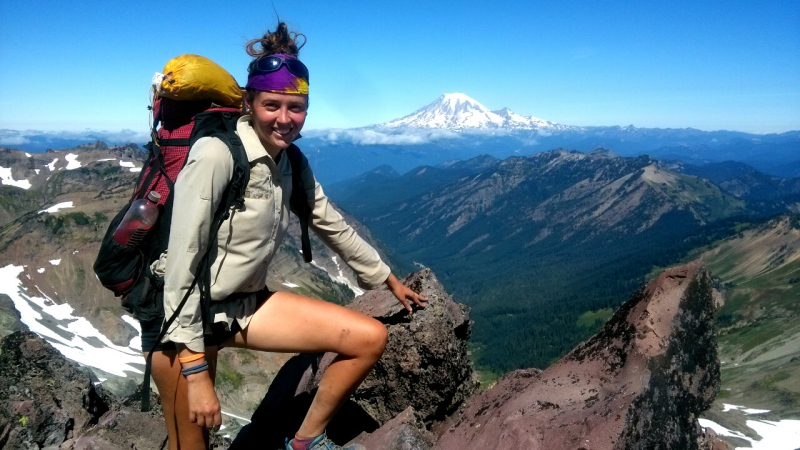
(370, 136)
(40, 140)
(12, 137)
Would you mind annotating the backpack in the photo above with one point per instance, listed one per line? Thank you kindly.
(126, 270)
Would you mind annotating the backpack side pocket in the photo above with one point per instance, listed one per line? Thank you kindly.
(118, 267)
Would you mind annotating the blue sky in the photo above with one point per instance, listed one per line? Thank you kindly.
(708, 65)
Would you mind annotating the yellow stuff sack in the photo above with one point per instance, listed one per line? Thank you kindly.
(195, 77)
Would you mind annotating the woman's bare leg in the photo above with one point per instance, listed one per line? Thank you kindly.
(293, 323)
(166, 370)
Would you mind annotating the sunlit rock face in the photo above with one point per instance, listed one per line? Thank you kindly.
(638, 384)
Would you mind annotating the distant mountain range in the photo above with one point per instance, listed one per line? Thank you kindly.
(455, 126)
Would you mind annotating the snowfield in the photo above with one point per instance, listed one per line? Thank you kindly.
(73, 336)
(780, 435)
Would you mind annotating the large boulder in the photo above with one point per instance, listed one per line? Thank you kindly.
(425, 367)
(638, 384)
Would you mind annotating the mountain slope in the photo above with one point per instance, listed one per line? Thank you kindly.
(533, 242)
(758, 274)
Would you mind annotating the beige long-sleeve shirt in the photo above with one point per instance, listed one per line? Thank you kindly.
(247, 241)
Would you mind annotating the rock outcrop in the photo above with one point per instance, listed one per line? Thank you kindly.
(44, 398)
(47, 401)
(9, 317)
(425, 367)
(638, 384)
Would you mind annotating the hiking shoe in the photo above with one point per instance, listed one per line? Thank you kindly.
(323, 443)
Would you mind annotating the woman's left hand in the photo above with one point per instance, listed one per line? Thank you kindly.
(404, 294)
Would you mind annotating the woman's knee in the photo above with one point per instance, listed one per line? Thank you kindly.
(375, 337)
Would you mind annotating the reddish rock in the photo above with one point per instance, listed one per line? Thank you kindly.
(638, 384)
(404, 432)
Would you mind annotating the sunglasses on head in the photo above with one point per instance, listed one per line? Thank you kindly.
(267, 64)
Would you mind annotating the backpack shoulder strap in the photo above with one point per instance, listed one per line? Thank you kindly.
(298, 202)
(222, 125)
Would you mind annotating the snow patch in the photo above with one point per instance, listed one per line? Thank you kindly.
(52, 165)
(8, 179)
(41, 270)
(727, 407)
(106, 159)
(28, 155)
(72, 161)
(72, 335)
(722, 431)
(55, 262)
(136, 341)
(37, 171)
(340, 278)
(783, 435)
(290, 285)
(56, 207)
(130, 165)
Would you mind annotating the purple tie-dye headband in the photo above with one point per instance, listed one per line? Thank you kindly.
(282, 80)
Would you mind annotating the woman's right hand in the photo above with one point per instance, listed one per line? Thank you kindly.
(204, 407)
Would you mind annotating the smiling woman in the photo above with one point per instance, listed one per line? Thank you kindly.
(241, 311)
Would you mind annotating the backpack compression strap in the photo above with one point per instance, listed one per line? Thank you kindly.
(298, 202)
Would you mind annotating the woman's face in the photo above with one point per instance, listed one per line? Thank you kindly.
(278, 119)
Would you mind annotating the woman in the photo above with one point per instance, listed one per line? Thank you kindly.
(245, 313)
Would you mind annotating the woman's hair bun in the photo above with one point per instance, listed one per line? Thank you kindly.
(278, 41)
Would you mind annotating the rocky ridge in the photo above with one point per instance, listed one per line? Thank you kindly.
(639, 383)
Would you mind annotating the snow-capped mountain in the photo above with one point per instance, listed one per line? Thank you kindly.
(461, 112)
